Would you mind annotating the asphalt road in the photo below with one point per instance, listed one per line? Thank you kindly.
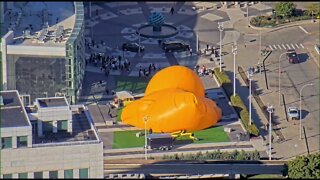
(190, 169)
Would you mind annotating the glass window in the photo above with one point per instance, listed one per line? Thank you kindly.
(83, 173)
(47, 126)
(6, 142)
(38, 175)
(22, 141)
(68, 173)
(63, 125)
(53, 174)
(23, 175)
(7, 176)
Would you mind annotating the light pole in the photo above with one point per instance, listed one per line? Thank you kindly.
(145, 119)
(220, 27)
(139, 43)
(250, 86)
(279, 78)
(234, 51)
(300, 106)
(248, 14)
(197, 43)
(270, 110)
(90, 8)
(260, 51)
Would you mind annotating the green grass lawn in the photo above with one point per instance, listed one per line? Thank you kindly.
(267, 176)
(119, 111)
(128, 139)
(134, 84)
(214, 134)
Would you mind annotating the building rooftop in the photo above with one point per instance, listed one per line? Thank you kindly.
(81, 131)
(40, 23)
(52, 102)
(12, 113)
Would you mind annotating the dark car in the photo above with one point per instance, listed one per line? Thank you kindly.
(133, 47)
(292, 56)
(171, 46)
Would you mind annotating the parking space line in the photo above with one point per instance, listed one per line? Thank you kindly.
(270, 47)
(292, 46)
(288, 46)
(303, 30)
(279, 46)
(301, 45)
(274, 46)
(284, 47)
(297, 46)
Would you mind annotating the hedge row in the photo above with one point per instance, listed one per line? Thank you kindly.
(244, 115)
(271, 21)
(236, 102)
(215, 155)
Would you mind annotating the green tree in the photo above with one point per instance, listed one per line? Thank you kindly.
(305, 167)
(313, 8)
(284, 9)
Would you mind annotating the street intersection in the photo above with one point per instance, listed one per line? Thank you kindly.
(114, 23)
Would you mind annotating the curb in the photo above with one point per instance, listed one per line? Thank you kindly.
(279, 27)
(234, 111)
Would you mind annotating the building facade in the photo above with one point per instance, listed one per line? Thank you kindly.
(36, 143)
(43, 49)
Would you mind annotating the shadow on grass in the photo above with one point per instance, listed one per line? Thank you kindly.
(133, 84)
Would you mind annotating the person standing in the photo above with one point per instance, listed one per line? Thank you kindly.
(190, 50)
(172, 10)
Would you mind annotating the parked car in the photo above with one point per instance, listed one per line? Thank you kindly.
(292, 56)
(133, 47)
(171, 46)
(293, 113)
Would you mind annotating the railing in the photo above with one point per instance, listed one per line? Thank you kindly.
(66, 143)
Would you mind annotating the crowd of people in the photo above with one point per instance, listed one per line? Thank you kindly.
(109, 63)
(145, 72)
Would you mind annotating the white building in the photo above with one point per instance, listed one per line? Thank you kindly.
(42, 48)
(48, 140)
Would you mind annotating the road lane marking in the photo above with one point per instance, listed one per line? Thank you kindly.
(274, 46)
(303, 30)
(270, 47)
(279, 46)
(288, 46)
(301, 45)
(283, 46)
(297, 46)
(292, 46)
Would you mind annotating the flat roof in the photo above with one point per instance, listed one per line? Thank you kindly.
(12, 112)
(35, 17)
(81, 131)
(52, 102)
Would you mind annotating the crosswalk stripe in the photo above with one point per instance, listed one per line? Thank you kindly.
(274, 46)
(288, 46)
(297, 46)
(301, 45)
(292, 46)
(279, 46)
(270, 47)
(283, 46)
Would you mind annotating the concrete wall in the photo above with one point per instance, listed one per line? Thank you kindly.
(54, 114)
(6, 39)
(53, 158)
(36, 50)
(14, 132)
